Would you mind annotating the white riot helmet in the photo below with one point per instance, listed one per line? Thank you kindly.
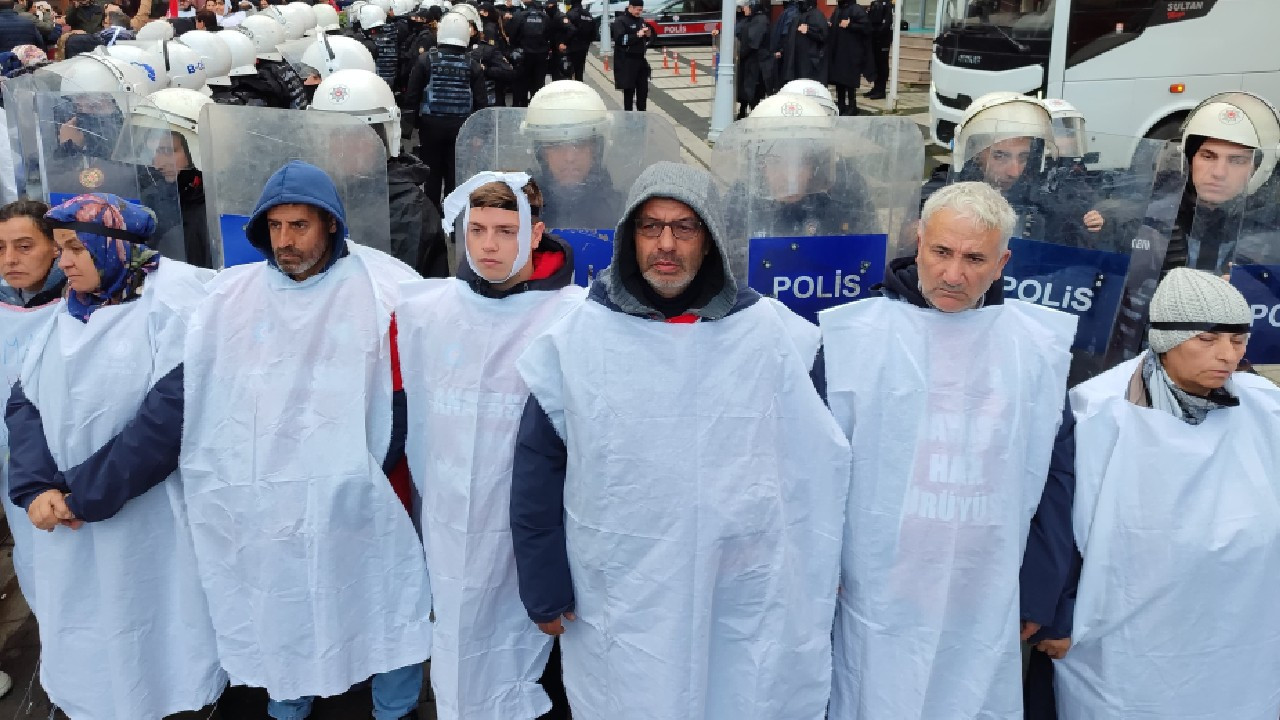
(91, 72)
(385, 5)
(1068, 128)
(184, 67)
(326, 17)
(454, 29)
(370, 16)
(331, 54)
(403, 7)
(303, 14)
(563, 111)
(243, 52)
(291, 24)
(791, 152)
(176, 110)
(363, 95)
(1241, 118)
(999, 116)
(815, 90)
(471, 14)
(266, 34)
(213, 52)
(146, 66)
(156, 31)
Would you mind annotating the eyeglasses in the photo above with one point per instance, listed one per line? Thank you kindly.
(688, 229)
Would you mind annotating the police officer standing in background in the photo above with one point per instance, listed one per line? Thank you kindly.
(530, 32)
(881, 13)
(446, 86)
(584, 32)
(631, 37)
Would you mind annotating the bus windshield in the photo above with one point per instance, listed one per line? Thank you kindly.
(1014, 18)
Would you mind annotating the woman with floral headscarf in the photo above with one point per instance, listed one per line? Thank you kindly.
(124, 629)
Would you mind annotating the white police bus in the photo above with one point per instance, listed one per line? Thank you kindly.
(1134, 68)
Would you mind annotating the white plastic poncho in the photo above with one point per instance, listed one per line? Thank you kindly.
(952, 419)
(1178, 611)
(315, 575)
(457, 357)
(124, 627)
(19, 327)
(704, 500)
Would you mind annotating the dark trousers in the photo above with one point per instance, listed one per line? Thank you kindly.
(578, 59)
(552, 681)
(437, 137)
(1038, 700)
(638, 97)
(847, 100)
(881, 54)
(533, 75)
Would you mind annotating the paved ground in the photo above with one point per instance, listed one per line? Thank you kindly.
(687, 104)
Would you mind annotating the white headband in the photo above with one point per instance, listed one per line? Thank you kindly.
(459, 201)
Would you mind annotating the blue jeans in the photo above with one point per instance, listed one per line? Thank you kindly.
(395, 694)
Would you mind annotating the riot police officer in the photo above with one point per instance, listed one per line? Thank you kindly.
(631, 37)
(417, 238)
(445, 87)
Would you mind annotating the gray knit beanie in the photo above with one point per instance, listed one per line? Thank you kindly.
(1189, 302)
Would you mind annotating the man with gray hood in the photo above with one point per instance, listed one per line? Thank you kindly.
(678, 483)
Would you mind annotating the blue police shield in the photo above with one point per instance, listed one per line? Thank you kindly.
(583, 160)
(813, 203)
(1092, 229)
(241, 147)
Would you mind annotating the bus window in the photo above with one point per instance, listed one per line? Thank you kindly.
(1097, 26)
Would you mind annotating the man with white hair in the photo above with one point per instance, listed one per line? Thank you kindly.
(951, 398)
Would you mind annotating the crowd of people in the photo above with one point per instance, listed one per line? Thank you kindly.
(260, 435)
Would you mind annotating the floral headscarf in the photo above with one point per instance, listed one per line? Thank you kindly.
(114, 231)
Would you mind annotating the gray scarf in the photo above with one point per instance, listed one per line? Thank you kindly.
(1166, 396)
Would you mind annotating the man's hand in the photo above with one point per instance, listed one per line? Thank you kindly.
(1093, 221)
(1056, 649)
(50, 510)
(68, 132)
(1028, 629)
(556, 627)
(803, 28)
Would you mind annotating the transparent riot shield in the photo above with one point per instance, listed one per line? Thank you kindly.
(812, 203)
(584, 164)
(241, 147)
(168, 181)
(78, 133)
(20, 120)
(1092, 229)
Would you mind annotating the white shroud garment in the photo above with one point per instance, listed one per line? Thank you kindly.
(19, 327)
(315, 576)
(458, 355)
(124, 628)
(952, 418)
(704, 500)
(1178, 611)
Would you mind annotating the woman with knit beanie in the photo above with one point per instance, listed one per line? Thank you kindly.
(1177, 516)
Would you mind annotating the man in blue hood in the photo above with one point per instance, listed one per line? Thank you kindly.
(315, 575)
(677, 481)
